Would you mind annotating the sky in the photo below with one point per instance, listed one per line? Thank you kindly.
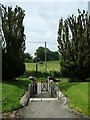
(42, 20)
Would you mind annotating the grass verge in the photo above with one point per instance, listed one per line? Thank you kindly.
(77, 93)
(12, 92)
(0, 97)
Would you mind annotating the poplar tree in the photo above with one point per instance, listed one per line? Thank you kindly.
(74, 46)
(13, 42)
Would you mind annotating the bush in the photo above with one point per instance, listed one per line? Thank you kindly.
(55, 74)
(42, 74)
(75, 72)
(13, 70)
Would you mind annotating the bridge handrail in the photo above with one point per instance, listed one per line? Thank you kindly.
(54, 90)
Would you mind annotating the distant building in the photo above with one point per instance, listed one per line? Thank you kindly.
(89, 7)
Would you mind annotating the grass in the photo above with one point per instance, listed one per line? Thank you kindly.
(77, 93)
(0, 97)
(12, 92)
(51, 65)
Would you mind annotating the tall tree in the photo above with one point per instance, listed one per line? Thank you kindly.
(74, 46)
(27, 57)
(14, 42)
(50, 55)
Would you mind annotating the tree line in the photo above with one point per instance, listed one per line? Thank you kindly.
(39, 55)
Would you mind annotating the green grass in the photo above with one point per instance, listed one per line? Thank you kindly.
(77, 93)
(12, 92)
(0, 97)
(51, 65)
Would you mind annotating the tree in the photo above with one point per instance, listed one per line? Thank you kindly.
(40, 53)
(74, 46)
(27, 57)
(50, 55)
(13, 42)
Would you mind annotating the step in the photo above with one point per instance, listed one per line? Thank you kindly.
(43, 99)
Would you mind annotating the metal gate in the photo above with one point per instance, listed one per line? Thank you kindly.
(44, 86)
(44, 90)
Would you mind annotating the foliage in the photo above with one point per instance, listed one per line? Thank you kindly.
(11, 99)
(74, 46)
(38, 74)
(50, 55)
(52, 70)
(35, 59)
(13, 43)
(77, 94)
(27, 57)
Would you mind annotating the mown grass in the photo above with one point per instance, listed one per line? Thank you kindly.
(12, 92)
(77, 93)
(0, 97)
(51, 65)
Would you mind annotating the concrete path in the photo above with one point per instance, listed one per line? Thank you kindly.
(44, 106)
(47, 109)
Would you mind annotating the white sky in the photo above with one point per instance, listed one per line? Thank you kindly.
(41, 19)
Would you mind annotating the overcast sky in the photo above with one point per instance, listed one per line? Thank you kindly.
(41, 21)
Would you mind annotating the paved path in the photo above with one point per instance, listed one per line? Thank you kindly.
(47, 109)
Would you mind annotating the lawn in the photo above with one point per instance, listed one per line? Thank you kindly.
(51, 65)
(0, 97)
(12, 91)
(77, 93)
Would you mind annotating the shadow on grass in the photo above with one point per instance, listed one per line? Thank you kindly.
(18, 83)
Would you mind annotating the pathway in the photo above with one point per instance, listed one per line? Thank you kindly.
(47, 109)
(44, 106)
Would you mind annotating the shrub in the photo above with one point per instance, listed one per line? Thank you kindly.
(13, 70)
(42, 74)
